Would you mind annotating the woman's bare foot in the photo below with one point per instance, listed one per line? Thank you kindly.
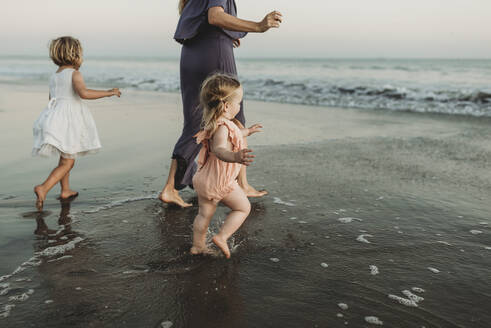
(41, 196)
(68, 194)
(172, 196)
(222, 244)
(195, 250)
(250, 191)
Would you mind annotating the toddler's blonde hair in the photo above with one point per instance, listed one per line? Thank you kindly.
(216, 90)
(182, 4)
(66, 50)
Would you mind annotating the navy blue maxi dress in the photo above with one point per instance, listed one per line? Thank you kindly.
(206, 49)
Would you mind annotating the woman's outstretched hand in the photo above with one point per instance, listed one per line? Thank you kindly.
(244, 157)
(271, 20)
(254, 128)
(115, 92)
(236, 43)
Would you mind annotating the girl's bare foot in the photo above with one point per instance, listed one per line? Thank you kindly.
(41, 196)
(222, 244)
(195, 250)
(68, 194)
(172, 196)
(250, 191)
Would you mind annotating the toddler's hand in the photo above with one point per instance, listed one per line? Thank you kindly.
(243, 157)
(255, 128)
(115, 92)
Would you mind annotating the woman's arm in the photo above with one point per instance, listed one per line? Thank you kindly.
(221, 149)
(218, 17)
(84, 93)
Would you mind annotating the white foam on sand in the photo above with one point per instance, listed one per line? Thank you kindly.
(373, 270)
(413, 297)
(403, 301)
(434, 270)
(374, 320)
(418, 290)
(487, 247)
(166, 324)
(61, 258)
(6, 310)
(361, 238)
(475, 232)
(277, 200)
(274, 259)
(339, 315)
(343, 306)
(60, 249)
(119, 203)
(324, 265)
(348, 220)
(443, 242)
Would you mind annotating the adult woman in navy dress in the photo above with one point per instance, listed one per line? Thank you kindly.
(208, 31)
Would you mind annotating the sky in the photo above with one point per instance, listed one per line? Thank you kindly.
(311, 28)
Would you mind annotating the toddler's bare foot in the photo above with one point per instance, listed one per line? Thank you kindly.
(222, 244)
(250, 191)
(195, 250)
(172, 196)
(68, 194)
(41, 196)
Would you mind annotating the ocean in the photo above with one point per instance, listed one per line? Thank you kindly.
(378, 209)
(447, 86)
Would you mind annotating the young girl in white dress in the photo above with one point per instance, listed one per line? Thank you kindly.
(65, 127)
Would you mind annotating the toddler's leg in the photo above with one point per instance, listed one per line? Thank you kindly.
(239, 204)
(64, 166)
(66, 192)
(200, 226)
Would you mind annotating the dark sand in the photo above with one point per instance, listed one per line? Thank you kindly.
(416, 187)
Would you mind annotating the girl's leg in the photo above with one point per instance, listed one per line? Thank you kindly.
(201, 223)
(239, 204)
(249, 190)
(64, 166)
(66, 192)
(169, 194)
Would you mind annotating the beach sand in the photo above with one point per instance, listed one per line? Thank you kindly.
(384, 212)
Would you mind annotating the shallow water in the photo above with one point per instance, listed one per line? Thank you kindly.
(130, 265)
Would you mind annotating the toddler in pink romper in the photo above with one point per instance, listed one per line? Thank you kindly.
(224, 151)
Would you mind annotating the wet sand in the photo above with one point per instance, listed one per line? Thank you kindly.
(386, 213)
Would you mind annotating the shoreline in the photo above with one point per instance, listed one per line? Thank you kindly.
(349, 189)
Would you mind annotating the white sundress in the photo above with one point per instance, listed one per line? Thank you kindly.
(66, 126)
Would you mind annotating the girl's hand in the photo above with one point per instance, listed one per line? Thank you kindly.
(273, 19)
(255, 128)
(243, 157)
(236, 43)
(115, 92)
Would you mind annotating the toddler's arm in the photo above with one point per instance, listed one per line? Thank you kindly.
(84, 93)
(220, 146)
(252, 129)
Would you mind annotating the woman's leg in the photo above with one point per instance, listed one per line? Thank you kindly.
(249, 190)
(239, 204)
(200, 225)
(64, 166)
(66, 192)
(169, 194)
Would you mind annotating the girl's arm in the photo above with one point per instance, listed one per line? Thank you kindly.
(84, 93)
(220, 146)
(252, 129)
(218, 17)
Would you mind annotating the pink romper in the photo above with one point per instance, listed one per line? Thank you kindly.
(215, 178)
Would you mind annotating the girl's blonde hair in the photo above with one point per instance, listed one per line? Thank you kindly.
(182, 4)
(66, 50)
(216, 90)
